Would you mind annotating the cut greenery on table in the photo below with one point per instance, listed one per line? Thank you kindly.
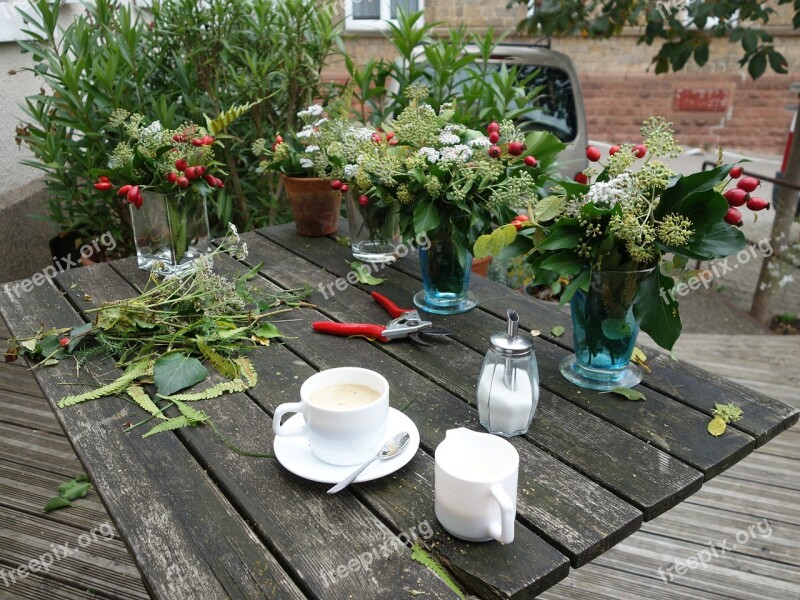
(160, 337)
(722, 415)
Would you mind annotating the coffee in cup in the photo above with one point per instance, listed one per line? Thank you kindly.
(344, 411)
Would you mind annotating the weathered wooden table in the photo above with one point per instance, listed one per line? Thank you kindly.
(203, 522)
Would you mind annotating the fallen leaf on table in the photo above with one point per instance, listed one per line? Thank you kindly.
(627, 393)
(535, 333)
(557, 331)
(717, 426)
(640, 358)
(364, 275)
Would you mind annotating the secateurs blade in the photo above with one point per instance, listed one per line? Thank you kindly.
(406, 323)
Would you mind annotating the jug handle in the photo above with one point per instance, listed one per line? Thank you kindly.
(505, 535)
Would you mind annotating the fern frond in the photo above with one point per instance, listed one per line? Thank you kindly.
(143, 399)
(248, 370)
(193, 416)
(221, 363)
(133, 372)
(169, 425)
(215, 391)
(225, 118)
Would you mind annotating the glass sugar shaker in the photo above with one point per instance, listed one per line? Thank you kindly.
(508, 386)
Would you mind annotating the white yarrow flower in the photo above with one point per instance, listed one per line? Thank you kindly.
(311, 149)
(430, 153)
(448, 139)
(481, 142)
(306, 163)
(350, 170)
(457, 153)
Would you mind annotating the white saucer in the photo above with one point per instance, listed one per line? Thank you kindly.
(294, 453)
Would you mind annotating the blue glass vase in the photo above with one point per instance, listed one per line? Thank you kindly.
(445, 277)
(604, 332)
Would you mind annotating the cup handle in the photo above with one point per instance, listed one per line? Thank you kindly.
(503, 532)
(288, 407)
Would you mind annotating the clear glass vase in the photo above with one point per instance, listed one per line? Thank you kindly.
(171, 231)
(445, 277)
(604, 332)
(374, 230)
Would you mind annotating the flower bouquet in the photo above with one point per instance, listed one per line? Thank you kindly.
(451, 185)
(624, 238)
(166, 176)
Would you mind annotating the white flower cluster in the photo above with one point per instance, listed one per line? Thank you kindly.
(312, 148)
(306, 163)
(609, 193)
(457, 153)
(360, 134)
(151, 130)
(314, 110)
(307, 131)
(430, 153)
(481, 142)
(351, 170)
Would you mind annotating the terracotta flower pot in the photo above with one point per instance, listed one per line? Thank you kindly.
(315, 206)
(480, 266)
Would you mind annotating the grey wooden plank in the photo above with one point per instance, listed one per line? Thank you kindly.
(519, 570)
(28, 489)
(674, 428)
(24, 446)
(32, 412)
(36, 587)
(578, 516)
(342, 529)
(748, 498)
(15, 378)
(193, 517)
(90, 558)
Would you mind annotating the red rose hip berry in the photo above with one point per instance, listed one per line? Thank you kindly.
(756, 204)
(736, 197)
(581, 178)
(516, 148)
(494, 137)
(735, 172)
(593, 153)
(733, 217)
(531, 161)
(363, 200)
(183, 182)
(493, 126)
(494, 151)
(181, 164)
(336, 184)
(345, 187)
(614, 149)
(748, 184)
(640, 150)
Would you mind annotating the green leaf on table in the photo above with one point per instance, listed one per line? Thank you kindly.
(193, 415)
(169, 425)
(73, 489)
(717, 426)
(419, 554)
(364, 275)
(77, 334)
(267, 330)
(557, 331)
(177, 371)
(627, 393)
(56, 503)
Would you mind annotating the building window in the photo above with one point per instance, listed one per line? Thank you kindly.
(371, 15)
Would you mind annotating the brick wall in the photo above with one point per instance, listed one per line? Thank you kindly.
(716, 105)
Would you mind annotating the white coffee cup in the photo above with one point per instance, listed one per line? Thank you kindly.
(339, 434)
(476, 486)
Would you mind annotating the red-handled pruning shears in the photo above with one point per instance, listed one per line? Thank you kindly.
(404, 323)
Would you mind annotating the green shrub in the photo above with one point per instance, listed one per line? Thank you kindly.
(191, 59)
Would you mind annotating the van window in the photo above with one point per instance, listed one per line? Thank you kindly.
(555, 105)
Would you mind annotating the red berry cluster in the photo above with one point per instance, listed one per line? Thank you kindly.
(514, 147)
(594, 154)
(740, 196)
(339, 186)
(519, 221)
(182, 177)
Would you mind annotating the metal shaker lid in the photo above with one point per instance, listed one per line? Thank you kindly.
(510, 343)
